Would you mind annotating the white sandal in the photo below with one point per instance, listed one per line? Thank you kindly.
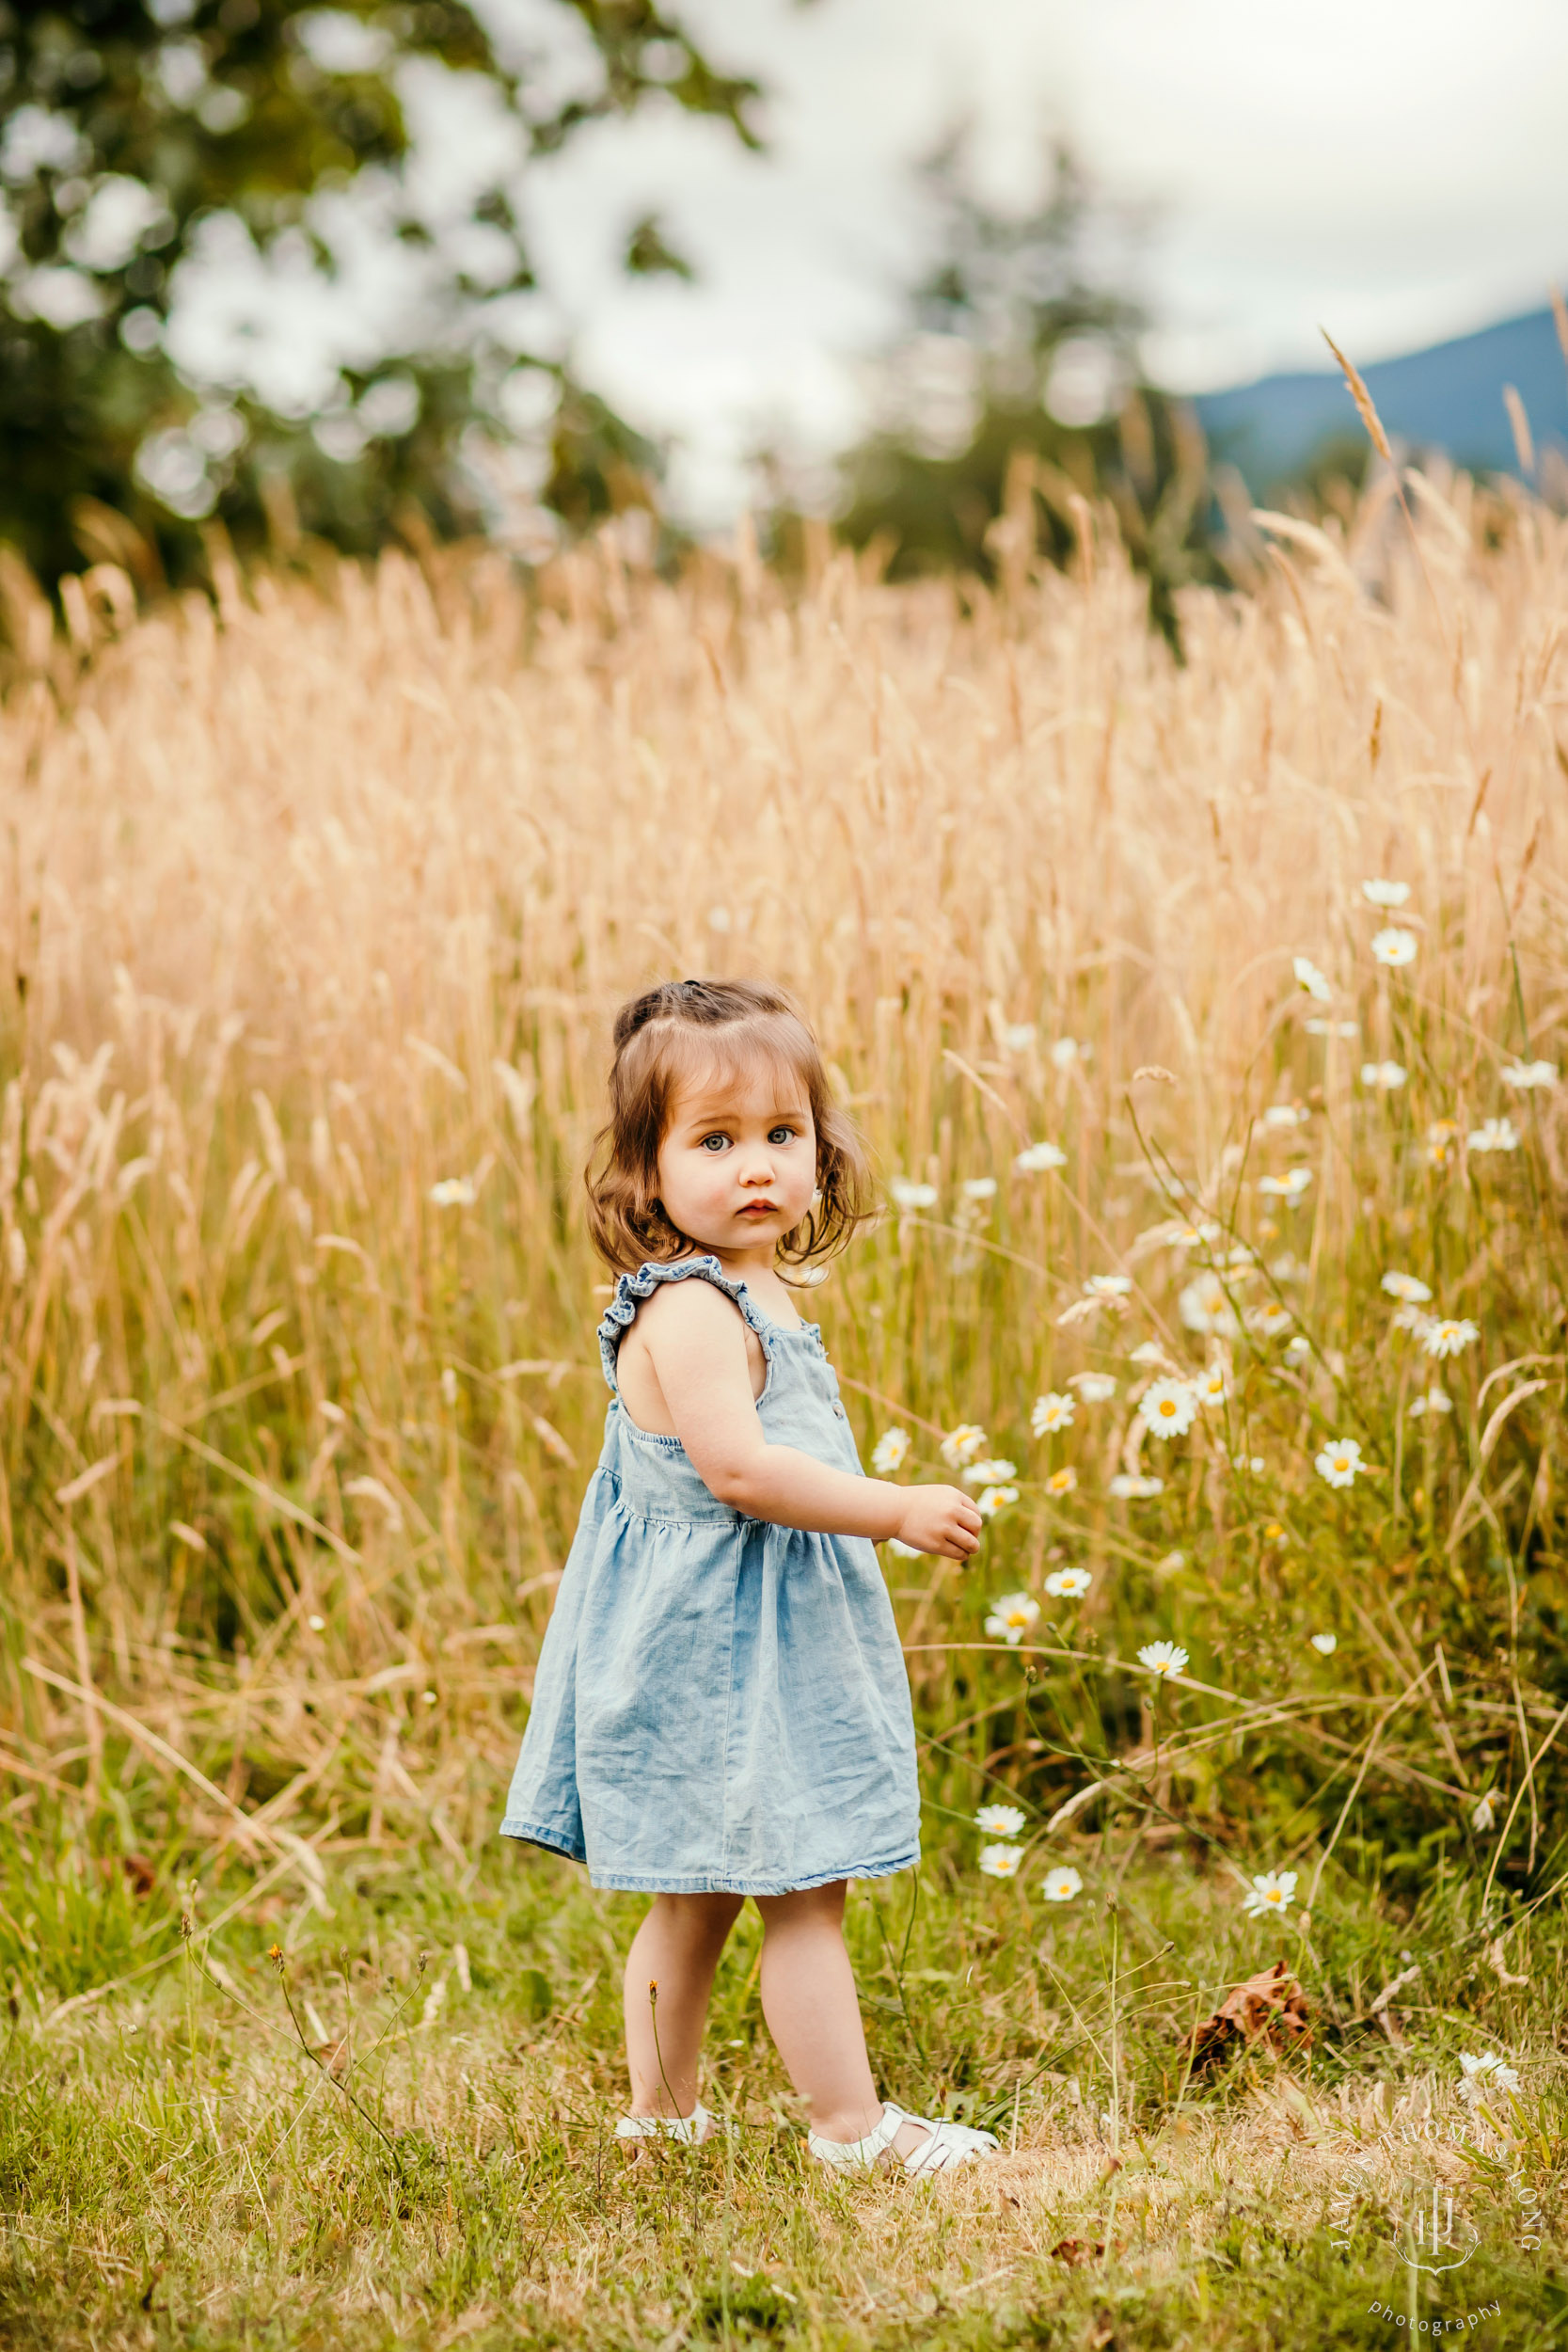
(694, 2128)
(944, 2146)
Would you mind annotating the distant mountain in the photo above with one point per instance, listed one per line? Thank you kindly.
(1449, 398)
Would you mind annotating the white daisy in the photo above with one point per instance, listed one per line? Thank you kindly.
(1332, 1028)
(1435, 1401)
(1011, 1617)
(1441, 1138)
(1213, 1387)
(1411, 1318)
(1203, 1305)
(1000, 1820)
(1325, 1643)
(1408, 1287)
(1270, 1890)
(1036, 1157)
(1163, 1658)
(994, 1498)
(1494, 1135)
(1523, 1075)
(904, 1194)
(1450, 1335)
(999, 1862)
(1384, 1076)
(1298, 1349)
(890, 1452)
(1167, 1408)
(1287, 1188)
(1191, 1236)
(1487, 2072)
(1340, 1462)
(454, 1192)
(1486, 1815)
(995, 1473)
(1393, 948)
(1069, 1051)
(1062, 1482)
(978, 1188)
(1060, 1885)
(1107, 1286)
(966, 1443)
(1068, 1584)
(1094, 1387)
(1269, 1318)
(1311, 979)
(1053, 1412)
(1384, 894)
(1127, 1487)
(1017, 1035)
(1286, 1115)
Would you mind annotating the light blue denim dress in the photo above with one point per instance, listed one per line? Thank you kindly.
(721, 1703)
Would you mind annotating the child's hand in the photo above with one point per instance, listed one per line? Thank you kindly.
(942, 1520)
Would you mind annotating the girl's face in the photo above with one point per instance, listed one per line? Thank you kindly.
(737, 1165)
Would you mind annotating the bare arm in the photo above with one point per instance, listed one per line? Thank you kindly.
(697, 1344)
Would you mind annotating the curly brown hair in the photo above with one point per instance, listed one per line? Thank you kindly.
(690, 1028)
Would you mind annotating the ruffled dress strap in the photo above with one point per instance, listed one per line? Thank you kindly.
(632, 1289)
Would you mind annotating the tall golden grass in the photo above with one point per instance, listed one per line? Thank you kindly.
(319, 897)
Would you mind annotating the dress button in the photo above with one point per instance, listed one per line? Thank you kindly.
(838, 1408)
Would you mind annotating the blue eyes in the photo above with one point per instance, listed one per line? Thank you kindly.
(713, 1144)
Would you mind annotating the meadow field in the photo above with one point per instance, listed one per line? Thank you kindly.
(1205, 1022)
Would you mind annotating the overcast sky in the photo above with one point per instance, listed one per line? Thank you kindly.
(1396, 170)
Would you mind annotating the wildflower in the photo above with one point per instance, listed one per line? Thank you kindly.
(1486, 1815)
(1068, 1584)
(1450, 1335)
(1167, 1408)
(1053, 1412)
(1163, 1658)
(1298, 1349)
(1485, 2073)
(317, 1624)
(1325, 1643)
(1018, 1035)
(1211, 1387)
(1287, 1188)
(978, 1188)
(1311, 979)
(995, 1473)
(1435, 1401)
(1332, 1028)
(1523, 1075)
(1340, 1462)
(1394, 947)
(905, 1195)
(1107, 1286)
(966, 1443)
(1061, 1884)
(454, 1192)
(1274, 1533)
(994, 1498)
(1494, 1135)
(1203, 1305)
(891, 1452)
(1286, 1268)
(1094, 1387)
(1384, 894)
(1067, 1051)
(1440, 1143)
(999, 1862)
(1411, 1318)
(1384, 1076)
(1011, 1617)
(1061, 1482)
(903, 1550)
(1408, 1287)
(1269, 1891)
(1286, 1115)
(1036, 1157)
(1269, 1318)
(1128, 1487)
(1000, 1820)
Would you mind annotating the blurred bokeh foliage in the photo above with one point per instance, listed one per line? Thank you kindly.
(129, 127)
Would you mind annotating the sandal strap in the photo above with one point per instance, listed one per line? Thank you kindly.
(946, 2145)
(698, 2125)
(860, 2151)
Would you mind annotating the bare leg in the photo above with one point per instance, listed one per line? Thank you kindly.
(809, 2000)
(677, 1948)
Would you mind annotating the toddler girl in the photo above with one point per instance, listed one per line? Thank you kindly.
(721, 1707)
